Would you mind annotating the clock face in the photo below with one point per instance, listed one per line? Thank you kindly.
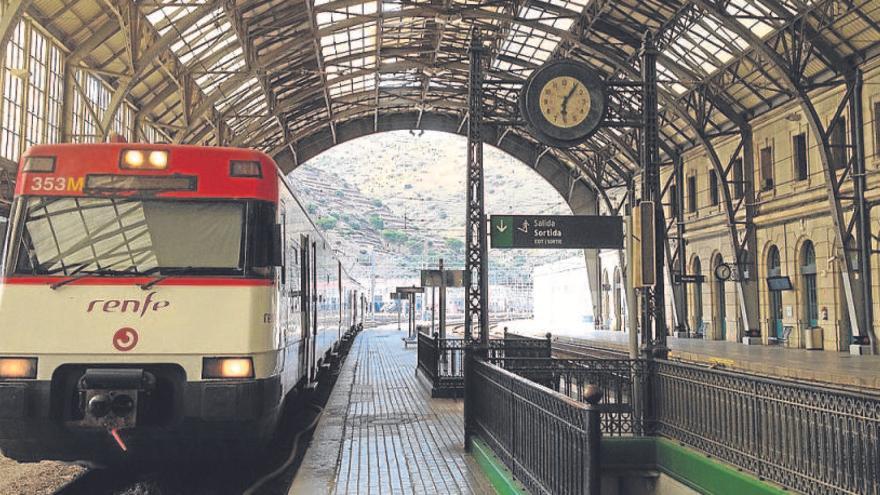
(722, 272)
(565, 101)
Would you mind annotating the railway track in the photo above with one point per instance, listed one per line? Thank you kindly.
(567, 349)
(98, 480)
(269, 475)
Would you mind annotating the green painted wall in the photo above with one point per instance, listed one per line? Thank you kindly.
(688, 466)
(694, 469)
(499, 476)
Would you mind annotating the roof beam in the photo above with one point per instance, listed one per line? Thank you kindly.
(319, 57)
(103, 33)
(146, 59)
(252, 65)
(436, 43)
(380, 29)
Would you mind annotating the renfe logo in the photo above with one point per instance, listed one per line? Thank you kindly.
(139, 308)
(125, 339)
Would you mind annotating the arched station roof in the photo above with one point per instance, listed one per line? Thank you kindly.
(295, 77)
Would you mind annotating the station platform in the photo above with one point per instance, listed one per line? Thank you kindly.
(857, 373)
(382, 433)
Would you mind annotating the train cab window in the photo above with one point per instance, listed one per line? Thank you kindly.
(129, 236)
(64, 236)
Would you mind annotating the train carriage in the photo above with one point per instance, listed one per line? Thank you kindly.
(156, 297)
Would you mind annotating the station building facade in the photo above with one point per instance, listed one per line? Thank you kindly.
(793, 225)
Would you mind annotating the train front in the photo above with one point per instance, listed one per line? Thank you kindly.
(137, 305)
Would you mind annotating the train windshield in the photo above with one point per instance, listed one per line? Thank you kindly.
(67, 236)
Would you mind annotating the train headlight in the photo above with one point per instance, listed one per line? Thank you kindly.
(133, 159)
(18, 368)
(144, 160)
(231, 367)
(158, 159)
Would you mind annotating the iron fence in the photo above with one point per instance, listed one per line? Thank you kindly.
(618, 380)
(812, 439)
(442, 360)
(428, 356)
(549, 441)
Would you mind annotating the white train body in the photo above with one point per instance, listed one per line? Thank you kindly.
(168, 309)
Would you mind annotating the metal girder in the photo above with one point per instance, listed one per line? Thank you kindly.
(223, 90)
(476, 250)
(653, 298)
(380, 29)
(319, 57)
(148, 57)
(103, 33)
(436, 43)
(253, 67)
(857, 304)
(817, 40)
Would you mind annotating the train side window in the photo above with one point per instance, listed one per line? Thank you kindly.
(282, 270)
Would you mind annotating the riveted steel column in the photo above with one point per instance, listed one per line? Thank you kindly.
(654, 305)
(862, 210)
(679, 291)
(476, 257)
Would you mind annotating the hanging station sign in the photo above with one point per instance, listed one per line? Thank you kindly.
(556, 232)
(434, 278)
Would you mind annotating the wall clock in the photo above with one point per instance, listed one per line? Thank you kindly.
(723, 272)
(563, 103)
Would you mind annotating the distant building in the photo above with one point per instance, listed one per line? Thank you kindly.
(562, 296)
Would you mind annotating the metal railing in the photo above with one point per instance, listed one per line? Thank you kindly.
(442, 360)
(549, 441)
(618, 380)
(808, 438)
(811, 439)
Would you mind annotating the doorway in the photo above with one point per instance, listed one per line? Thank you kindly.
(808, 276)
(774, 269)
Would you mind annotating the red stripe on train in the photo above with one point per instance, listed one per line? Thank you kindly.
(187, 281)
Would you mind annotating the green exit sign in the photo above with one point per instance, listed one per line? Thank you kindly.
(556, 232)
(502, 231)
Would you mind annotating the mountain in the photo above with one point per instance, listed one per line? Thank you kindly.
(397, 200)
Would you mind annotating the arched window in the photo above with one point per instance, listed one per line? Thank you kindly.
(774, 265)
(774, 269)
(808, 277)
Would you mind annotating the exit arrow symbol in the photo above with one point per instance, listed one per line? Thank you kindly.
(501, 227)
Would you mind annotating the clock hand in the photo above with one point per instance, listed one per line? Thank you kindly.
(565, 99)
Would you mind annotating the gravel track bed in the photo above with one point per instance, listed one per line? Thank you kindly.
(35, 478)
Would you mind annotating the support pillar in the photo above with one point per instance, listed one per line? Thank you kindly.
(654, 304)
(442, 302)
(677, 260)
(632, 305)
(862, 214)
(476, 256)
(747, 248)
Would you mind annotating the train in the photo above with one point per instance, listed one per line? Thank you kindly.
(160, 301)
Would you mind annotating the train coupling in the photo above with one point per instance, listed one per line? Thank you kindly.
(109, 397)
